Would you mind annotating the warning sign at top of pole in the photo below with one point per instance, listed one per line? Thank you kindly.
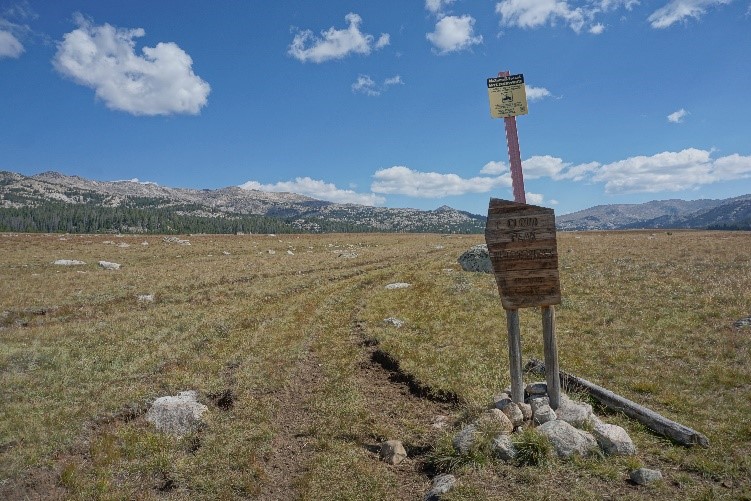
(508, 97)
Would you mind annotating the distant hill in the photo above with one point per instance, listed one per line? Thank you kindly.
(51, 201)
(731, 213)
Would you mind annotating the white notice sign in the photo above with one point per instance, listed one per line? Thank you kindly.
(508, 97)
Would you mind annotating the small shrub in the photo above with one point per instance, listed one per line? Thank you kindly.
(532, 448)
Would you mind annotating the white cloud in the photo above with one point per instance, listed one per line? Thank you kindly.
(159, 82)
(335, 44)
(535, 13)
(366, 85)
(319, 190)
(543, 166)
(671, 171)
(10, 46)
(536, 93)
(679, 10)
(534, 198)
(578, 172)
(597, 29)
(677, 116)
(400, 180)
(437, 6)
(494, 168)
(453, 34)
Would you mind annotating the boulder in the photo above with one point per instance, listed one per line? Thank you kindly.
(68, 262)
(498, 418)
(392, 451)
(526, 411)
(441, 485)
(177, 415)
(644, 476)
(538, 388)
(109, 266)
(514, 413)
(464, 440)
(538, 401)
(613, 440)
(476, 259)
(504, 448)
(567, 440)
(575, 413)
(501, 400)
(398, 285)
(393, 321)
(543, 414)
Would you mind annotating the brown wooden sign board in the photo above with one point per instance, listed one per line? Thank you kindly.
(524, 254)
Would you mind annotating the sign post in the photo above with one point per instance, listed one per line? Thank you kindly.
(522, 245)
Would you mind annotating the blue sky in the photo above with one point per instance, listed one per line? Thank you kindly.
(383, 103)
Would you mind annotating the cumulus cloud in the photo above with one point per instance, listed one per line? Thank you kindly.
(437, 7)
(366, 85)
(679, 10)
(536, 93)
(535, 13)
(400, 180)
(671, 171)
(10, 46)
(159, 82)
(453, 34)
(597, 29)
(320, 190)
(494, 168)
(534, 198)
(334, 43)
(677, 116)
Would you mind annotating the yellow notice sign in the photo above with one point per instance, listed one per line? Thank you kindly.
(508, 97)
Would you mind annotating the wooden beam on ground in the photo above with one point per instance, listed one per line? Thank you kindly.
(649, 418)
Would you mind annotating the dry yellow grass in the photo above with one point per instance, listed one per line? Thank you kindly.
(280, 347)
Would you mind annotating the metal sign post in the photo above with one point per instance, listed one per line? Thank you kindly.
(522, 246)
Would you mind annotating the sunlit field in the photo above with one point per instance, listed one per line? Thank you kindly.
(284, 339)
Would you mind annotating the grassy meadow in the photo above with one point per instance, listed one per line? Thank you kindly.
(284, 339)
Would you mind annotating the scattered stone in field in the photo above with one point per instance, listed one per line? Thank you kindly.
(347, 254)
(464, 440)
(109, 266)
(644, 476)
(392, 451)
(399, 285)
(543, 414)
(68, 262)
(574, 413)
(442, 484)
(504, 448)
(438, 247)
(448, 270)
(393, 321)
(567, 440)
(123, 245)
(145, 298)
(613, 440)
(440, 422)
(743, 322)
(226, 253)
(177, 415)
(476, 259)
(498, 418)
(290, 253)
(62, 239)
(538, 388)
(144, 243)
(526, 410)
(175, 240)
(271, 251)
(108, 242)
(514, 413)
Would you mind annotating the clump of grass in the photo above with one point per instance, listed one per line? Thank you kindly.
(532, 448)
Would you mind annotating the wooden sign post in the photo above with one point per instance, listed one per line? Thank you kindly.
(522, 246)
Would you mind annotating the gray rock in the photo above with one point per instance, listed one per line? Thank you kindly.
(498, 418)
(177, 415)
(526, 411)
(514, 413)
(464, 440)
(644, 476)
(392, 451)
(504, 448)
(543, 414)
(501, 400)
(538, 388)
(613, 440)
(393, 321)
(109, 266)
(743, 322)
(398, 285)
(567, 440)
(68, 262)
(145, 298)
(476, 259)
(538, 401)
(575, 413)
(441, 485)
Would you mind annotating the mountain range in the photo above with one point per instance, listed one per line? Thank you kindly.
(51, 201)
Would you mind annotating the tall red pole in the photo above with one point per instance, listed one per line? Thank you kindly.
(514, 155)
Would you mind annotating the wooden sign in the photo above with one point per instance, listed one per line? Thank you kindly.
(524, 253)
